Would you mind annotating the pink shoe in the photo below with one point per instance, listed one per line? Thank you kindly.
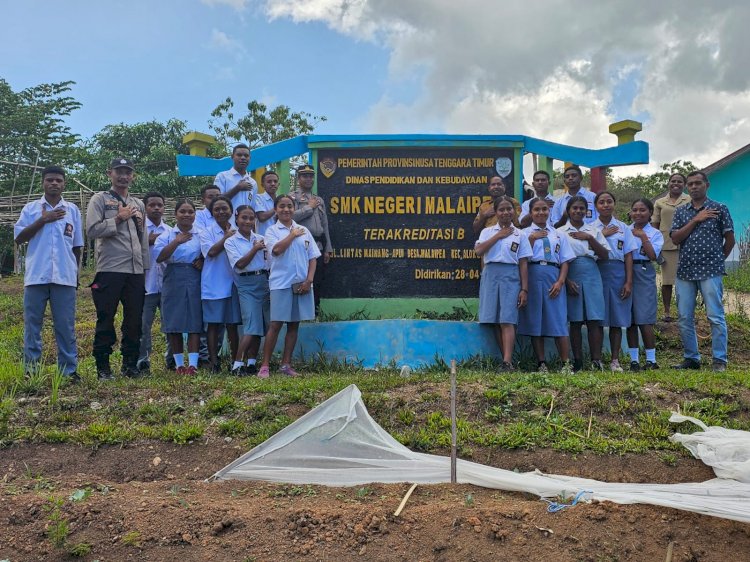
(191, 371)
(181, 371)
(263, 372)
(288, 371)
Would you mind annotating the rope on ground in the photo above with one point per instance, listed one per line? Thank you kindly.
(554, 507)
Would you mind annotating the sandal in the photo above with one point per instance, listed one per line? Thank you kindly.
(667, 319)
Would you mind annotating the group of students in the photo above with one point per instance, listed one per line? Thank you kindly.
(546, 282)
(218, 272)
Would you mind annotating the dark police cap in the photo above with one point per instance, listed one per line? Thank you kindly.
(121, 162)
(305, 169)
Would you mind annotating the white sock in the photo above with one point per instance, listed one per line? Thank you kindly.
(193, 359)
(179, 360)
(236, 365)
(651, 355)
(251, 362)
(634, 354)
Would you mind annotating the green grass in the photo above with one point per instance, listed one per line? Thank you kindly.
(739, 278)
(601, 413)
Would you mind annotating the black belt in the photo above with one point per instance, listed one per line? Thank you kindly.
(641, 262)
(542, 262)
(259, 272)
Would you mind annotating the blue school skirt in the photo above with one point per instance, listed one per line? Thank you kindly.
(617, 312)
(589, 303)
(255, 303)
(287, 306)
(543, 315)
(644, 294)
(181, 300)
(498, 293)
(223, 311)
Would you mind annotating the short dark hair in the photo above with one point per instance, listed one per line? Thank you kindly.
(151, 194)
(575, 167)
(697, 173)
(183, 201)
(53, 170)
(209, 186)
(220, 198)
(545, 172)
(646, 201)
(673, 174)
(268, 173)
(598, 195)
(241, 145)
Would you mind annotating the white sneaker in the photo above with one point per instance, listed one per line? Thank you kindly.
(615, 366)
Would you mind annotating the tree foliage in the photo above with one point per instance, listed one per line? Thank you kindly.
(260, 126)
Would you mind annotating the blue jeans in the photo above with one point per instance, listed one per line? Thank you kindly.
(712, 290)
(62, 302)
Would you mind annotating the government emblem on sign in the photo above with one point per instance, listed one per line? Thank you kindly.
(327, 166)
(503, 165)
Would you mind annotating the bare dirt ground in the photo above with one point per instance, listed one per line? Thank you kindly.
(149, 502)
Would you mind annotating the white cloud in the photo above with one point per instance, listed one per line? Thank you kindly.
(550, 69)
(238, 5)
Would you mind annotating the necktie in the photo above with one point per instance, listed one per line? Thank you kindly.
(547, 249)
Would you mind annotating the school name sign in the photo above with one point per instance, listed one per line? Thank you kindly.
(400, 218)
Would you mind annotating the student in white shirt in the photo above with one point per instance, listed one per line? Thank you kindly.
(237, 183)
(52, 227)
(203, 218)
(263, 204)
(293, 254)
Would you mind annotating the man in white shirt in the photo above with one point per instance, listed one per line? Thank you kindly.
(572, 176)
(154, 203)
(237, 183)
(52, 227)
(263, 204)
(203, 217)
(540, 182)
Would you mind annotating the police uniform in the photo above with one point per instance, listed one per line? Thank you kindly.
(644, 277)
(181, 287)
(588, 304)
(543, 315)
(288, 269)
(251, 282)
(618, 312)
(501, 280)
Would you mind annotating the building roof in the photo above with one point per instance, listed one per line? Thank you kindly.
(726, 160)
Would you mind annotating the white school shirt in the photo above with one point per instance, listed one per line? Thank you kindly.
(202, 219)
(561, 250)
(559, 208)
(581, 247)
(654, 236)
(155, 273)
(228, 179)
(621, 242)
(291, 266)
(525, 209)
(185, 252)
(506, 250)
(49, 257)
(263, 202)
(237, 246)
(216, 275)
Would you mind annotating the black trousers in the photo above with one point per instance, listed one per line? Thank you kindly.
(318, 281)
(108, 290)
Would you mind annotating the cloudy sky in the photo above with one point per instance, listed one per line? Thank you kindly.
(558, 70)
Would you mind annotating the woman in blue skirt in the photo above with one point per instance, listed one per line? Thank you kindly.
(180, 249)
(293, 253)
(585, 297)
(219, 299)
(246, 251)
(546, 311)
(503, 287)
(649, 242)
(616, 272)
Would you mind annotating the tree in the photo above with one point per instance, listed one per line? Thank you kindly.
(652, 185)
(32, 123)
(260, 126)
(153, 146)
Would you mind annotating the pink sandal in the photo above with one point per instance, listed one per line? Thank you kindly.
(264, 372)
(288, 371)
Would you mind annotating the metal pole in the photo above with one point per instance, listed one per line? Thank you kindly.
(453, 421)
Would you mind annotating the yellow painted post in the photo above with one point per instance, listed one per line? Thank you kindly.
(625, 131)
(198, 143)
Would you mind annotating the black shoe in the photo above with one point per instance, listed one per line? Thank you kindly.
(250, 370)
(506, 367)
(688, 364)
(215, 368)
(131, 371)
(719, 366)
(635, 366)
(144, 367)
(577, 365)
(650, 366)
(73, 378)
(597, 365)
(103, 370)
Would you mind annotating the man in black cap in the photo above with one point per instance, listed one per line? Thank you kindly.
(310, 212)
(115, 220)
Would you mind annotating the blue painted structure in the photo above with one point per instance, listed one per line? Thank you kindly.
(729, 180)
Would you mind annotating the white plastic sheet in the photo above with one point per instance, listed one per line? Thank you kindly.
(339, 444)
